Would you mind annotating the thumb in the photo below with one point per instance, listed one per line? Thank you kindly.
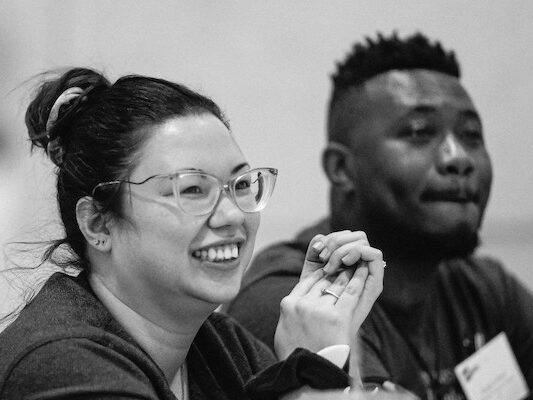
(312, 260)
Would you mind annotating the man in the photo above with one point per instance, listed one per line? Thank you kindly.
(407, 164)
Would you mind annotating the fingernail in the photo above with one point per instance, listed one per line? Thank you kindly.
(318, 246)
(323, 254)
(345, 259)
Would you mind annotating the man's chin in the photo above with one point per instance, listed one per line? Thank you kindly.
(460, 242)
(447, 245)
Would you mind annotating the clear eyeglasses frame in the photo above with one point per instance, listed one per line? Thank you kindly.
(197, 193)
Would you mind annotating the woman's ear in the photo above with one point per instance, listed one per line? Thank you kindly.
(338, 164)
(93, 224)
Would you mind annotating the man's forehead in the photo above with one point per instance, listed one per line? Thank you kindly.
(385, 99)
(415, 87)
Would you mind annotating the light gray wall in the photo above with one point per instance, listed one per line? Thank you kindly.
(267, 64)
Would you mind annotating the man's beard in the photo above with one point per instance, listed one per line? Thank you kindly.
(399, 242)
(396, 239)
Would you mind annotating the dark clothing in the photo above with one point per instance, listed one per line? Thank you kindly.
(470, 301)
(65, 345)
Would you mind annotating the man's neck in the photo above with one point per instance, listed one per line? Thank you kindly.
(407, 282)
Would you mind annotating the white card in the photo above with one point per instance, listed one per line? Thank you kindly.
(492, 373)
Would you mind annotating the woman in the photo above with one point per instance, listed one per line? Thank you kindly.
(160, 210)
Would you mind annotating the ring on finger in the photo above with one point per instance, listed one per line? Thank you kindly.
(327, 291)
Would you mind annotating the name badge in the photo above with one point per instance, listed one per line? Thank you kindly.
(492, 373)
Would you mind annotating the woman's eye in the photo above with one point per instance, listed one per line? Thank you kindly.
(243, 185)
(191, 190)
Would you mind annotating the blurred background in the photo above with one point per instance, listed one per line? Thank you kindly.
(268, 63)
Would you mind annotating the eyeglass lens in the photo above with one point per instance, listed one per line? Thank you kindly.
(198, 193)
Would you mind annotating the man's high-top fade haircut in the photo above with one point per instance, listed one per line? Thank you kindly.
(383, 54)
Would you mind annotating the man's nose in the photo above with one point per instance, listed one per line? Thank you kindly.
(454, 158)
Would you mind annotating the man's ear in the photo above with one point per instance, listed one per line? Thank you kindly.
(93, 224)
(338, 164)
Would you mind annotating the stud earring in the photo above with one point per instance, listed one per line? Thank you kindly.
(97, 242)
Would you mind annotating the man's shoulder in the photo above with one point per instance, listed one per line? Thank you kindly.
(484, 280)
(478, 269)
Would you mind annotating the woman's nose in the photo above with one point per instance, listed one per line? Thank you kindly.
(226, 212)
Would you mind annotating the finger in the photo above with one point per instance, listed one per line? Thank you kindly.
(334, 283)
(322, 246)
(346, 255)
(366, 291)
(307, 282)
(337, 239)
(316, 289)
(376, 270)
(312, 261)
(339, 284)
(316, 246)
(354, 289)
(372, 289)
(375, 262)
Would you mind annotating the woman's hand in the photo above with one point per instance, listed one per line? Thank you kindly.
(344, 264)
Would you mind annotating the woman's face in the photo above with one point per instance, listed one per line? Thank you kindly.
(157, 250)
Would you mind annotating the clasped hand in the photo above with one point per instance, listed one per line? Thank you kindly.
(342, 277)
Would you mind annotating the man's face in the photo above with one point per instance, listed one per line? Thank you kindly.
(420, 162)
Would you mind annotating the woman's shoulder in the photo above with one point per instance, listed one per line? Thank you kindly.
(66, 340)
(222, 334)
(64, 303)
(63, 324)
(227, 329)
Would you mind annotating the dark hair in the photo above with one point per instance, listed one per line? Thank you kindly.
(99, 136)
(383, 54)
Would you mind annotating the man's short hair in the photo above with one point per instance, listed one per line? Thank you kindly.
(383, 54)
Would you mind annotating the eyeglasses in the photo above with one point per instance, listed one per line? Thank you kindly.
(197, 193)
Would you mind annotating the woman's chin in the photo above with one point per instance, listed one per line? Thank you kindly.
(219, 293)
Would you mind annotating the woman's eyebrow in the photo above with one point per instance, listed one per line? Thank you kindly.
(239, 167)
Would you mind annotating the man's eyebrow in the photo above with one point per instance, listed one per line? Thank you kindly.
(425, 109)
(471, 114)
(429, 109)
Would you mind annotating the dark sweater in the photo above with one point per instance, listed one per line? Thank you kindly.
(471, 298)
(66, 345)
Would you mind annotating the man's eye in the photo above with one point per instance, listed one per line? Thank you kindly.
(473, 135)
(418, 132)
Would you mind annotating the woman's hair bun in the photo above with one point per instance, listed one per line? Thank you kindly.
(38, 112)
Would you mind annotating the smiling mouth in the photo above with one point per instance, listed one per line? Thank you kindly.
(227, 252)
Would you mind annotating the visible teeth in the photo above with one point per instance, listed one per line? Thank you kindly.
(218, 254)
